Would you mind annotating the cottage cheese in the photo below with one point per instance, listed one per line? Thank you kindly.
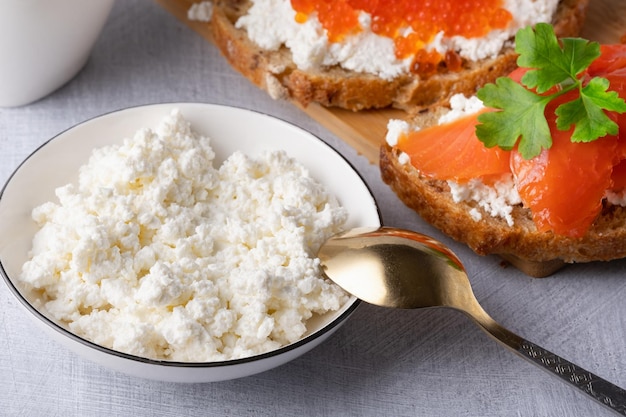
(366, 51)
(157, 253)
(496, 200)
(200, 12)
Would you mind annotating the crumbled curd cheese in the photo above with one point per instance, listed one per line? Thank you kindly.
(200, 12)
(616, 198)
(460, 106)
(157, 253)
(366, 51)
(497, 200)
(395, 129)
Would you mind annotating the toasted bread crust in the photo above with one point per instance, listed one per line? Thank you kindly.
(275, 72)
(535, 253)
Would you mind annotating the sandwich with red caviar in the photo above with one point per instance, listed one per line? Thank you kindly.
(366, 54)
(532, 168)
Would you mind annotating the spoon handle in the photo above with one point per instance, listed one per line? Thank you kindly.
(600, 389)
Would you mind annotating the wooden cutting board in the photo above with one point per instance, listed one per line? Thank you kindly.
(365, 130)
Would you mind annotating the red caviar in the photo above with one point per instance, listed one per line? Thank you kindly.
(392, 18)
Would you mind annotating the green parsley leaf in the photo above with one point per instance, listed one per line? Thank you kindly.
(551, 63)
(555, 68)
(525, 122)
(587, 114)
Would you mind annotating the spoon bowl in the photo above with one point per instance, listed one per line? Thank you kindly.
(399, 268)
(379, 266)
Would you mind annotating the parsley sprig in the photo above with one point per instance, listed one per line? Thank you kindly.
(553, 63)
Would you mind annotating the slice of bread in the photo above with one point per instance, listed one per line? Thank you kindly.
(275, 72)
(538, 254)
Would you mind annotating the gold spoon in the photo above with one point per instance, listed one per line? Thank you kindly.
(403, 269)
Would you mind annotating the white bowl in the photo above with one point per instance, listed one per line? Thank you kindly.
(44, 43)
(56, 163)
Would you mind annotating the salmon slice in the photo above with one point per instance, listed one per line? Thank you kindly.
(453, 152)
(563, 186)
(612, 60)
(618, 177)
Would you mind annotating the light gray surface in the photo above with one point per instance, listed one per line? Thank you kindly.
(382, 362)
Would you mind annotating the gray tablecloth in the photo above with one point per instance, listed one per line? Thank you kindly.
(382, 362)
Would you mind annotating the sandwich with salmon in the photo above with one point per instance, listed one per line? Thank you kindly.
(532, 168)
(367, 54)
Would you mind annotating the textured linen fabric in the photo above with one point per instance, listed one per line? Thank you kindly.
(382, 362)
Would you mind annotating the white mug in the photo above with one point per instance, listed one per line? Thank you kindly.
(44, 43)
